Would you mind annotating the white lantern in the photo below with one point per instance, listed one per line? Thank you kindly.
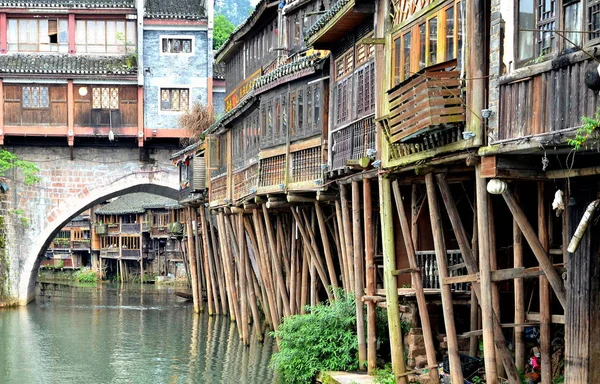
(497, 187)
(83, 91)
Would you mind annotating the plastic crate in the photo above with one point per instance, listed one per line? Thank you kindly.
(468, 364)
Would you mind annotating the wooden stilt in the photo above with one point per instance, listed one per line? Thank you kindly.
(223, 241)
(326, 249)
(251, 296)
(305, 277)
(347, 230)
(370, 277)
(416, 281)
(440, 255)
(358, 273)
(520, 355)
(218, 265)
(192, 261)
(390, 281)
(494, 267)
(545, 298)
(278, 274)
(209, 267)
(472, 267)
(414, 215)
(342, 247)
(200, 275)
(537, 248)
(292, 277)
(474, 320)
(242, 278)
(485, 299)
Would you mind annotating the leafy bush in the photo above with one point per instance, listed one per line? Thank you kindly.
(86, 275)
(323, 339)
(385, 376)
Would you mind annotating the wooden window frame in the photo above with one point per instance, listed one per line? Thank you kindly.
(17, 39)
(40, 104)
(123, 46)
(180, 38)
(171, 91)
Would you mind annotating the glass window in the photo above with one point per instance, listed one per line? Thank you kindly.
(433, 40)
(43, 35)
(573, 23)
(36, 97)
(301, 109)
(450, 33)
(317, 108)
(174, 100)
(105, 98)
(309, 106)
(105, 36)
(397, 60)
(406, 57)
(546, 25)
(176, 45)
(593, 19)
(422, 47)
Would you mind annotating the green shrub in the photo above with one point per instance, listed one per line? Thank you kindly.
(86, 275)
(323, 339)
(385, 376)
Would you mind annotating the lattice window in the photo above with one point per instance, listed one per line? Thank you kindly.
(546, 23)
(272, 171)
(105, 98)
(174, 100)
(36, 97)
(306, 165)
(177, 45)
(594, 19)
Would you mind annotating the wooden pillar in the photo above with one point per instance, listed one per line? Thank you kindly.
(416, 281)
(276, 266)
(342, 247)
(474, 320)
(219, 268)
(485, 299)
(225, 262)
(192, 261)
(494, 267)
(347, 229)
(446, 291)
(209, 268)
(520, 354)
(390, 281)
(370, 276)
(359, 274)
(545, 297)
(243, 283)
(70, 113)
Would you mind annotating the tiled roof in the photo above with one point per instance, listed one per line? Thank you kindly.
(241, 105)
(65, 65)
(308, 62)
(176, 9)
(326, 18)
(67, 3)
(187, 149)
(219, 71)
(136, 203)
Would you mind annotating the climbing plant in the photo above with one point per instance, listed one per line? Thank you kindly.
(583, 134)
(9, 160)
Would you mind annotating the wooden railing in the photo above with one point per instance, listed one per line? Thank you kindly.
(272, 171)
(61, 243)
(245, 182)
(218, 190)
(131, 253)
(110, 253)
(130, 228)
(114, 229)
(80, 244)
(426, 261)
(306, 165)
(158, 231)
(546, 98)
(352, 142)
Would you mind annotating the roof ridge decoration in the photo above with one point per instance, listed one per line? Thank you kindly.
(65, 64)
(67, 4)
(325, 18)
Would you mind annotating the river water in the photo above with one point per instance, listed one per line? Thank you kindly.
(127, 334)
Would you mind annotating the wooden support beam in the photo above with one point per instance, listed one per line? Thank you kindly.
(242, 280)
(545, 294)
(402, 271)
(359, 274)
(343, 249)
(347, 230)
(222, 243)
(535, 316)
(440, 255)
(519, 284)
(192, 260)
(538, 249)
(416, 280)
(370, 277)
(474, 318)
(209, 268)
(390, 281)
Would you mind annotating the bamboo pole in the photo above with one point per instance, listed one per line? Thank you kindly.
(347, 230)
(279, 276)
(218, 266)
(485, 299)
(342, 247)
(192, 261)
(545, 298)
(227, 270)
(416, 281)
(359, 273)
(305, 278)
(292, 277)
(472, 267)
(327, 249)
(519, 284)
(440, 255)
(242, 278)
(390, 281)
(209, 268)
(203, 281)
(370, 277)
(251, 293)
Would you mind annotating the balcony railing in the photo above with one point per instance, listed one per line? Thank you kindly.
(134, 254)
(61, 243)
(114, 229)
(130, 228)
(110, 253)
(545, 98)
(426, 261)
(307, 166)
(426, 111)
(218, 191)
(245, 182)
(352, 142)
(80, 244)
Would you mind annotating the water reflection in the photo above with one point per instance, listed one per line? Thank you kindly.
(127, 334)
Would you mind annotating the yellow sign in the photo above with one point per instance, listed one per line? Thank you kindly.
(240, 91)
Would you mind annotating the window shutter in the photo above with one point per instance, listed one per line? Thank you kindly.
(212, 148)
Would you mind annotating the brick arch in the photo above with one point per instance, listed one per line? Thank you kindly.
(161, 182)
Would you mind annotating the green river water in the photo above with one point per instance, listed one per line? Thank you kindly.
(130, 334)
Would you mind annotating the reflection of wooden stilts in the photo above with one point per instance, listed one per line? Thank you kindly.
(440, 255)
(416, 281)
(390, 281)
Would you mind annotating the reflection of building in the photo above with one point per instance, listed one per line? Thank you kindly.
(137, 233)
(71, 247)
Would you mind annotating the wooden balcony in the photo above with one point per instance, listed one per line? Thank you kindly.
(352, 142)
(272, 174)
(80, 244)
(131, 254)
(158, 231)
(245, 182)
(110, 253)
(131, 228)
(545, 99)
(114, 229)
(426, 113)
(218, 189)
(61, 243)
(306, 171)
(101, 229)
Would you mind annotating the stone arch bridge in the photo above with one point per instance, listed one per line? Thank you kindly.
(72, 180)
